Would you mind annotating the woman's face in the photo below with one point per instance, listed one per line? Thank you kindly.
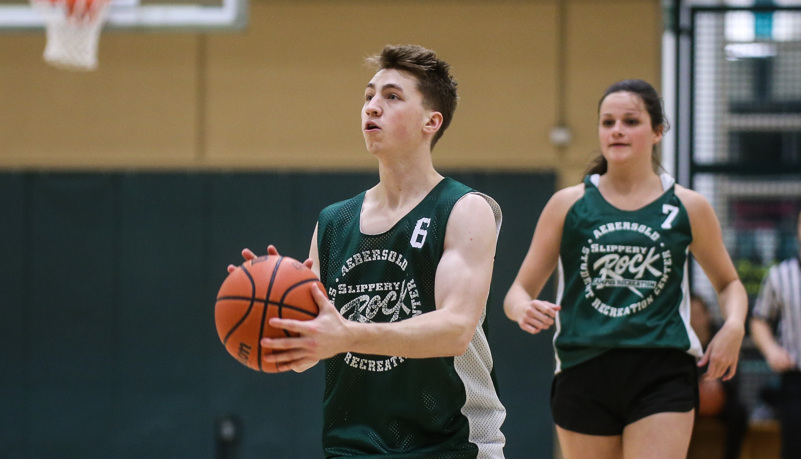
(624, 129)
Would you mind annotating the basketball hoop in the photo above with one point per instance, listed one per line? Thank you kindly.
(73, 31)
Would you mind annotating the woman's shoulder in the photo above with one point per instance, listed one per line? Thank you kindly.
(702, 215)
(692, 200)
(563, 200)
(569, 194)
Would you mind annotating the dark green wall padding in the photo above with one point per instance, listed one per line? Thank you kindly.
(107, 335)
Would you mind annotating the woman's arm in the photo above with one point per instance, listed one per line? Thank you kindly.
(520, 303)
(708, 249)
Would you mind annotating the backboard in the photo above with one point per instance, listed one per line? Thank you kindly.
(190, 15)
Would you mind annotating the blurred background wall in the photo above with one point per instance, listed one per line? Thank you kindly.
(285, 93)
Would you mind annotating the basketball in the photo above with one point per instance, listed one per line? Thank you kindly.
(258, 290)
(711, 396)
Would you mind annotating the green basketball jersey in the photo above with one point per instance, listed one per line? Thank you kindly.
(622, 277)
(394, 407)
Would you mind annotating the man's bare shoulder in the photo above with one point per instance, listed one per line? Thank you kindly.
(474, 207)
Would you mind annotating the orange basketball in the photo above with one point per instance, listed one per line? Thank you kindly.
(259, 289)
(711, 396)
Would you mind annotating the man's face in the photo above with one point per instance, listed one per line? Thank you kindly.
(393, 114)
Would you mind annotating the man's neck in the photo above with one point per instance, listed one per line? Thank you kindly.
(399, 186)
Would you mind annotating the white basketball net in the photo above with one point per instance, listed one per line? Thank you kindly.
(73, 31)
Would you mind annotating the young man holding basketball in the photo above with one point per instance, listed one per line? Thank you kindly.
(407, 266)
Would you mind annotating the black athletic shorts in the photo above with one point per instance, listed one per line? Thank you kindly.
(621, 386)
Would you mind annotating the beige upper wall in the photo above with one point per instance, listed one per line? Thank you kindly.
(286, 92)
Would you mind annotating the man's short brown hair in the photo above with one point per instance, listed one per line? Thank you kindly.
(434, 79)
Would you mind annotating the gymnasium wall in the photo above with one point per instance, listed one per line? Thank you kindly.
(285, 93)
(125, 192)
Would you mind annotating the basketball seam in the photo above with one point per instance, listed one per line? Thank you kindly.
(267, 308)
(250, 306)
(292, 288)
(273, 303)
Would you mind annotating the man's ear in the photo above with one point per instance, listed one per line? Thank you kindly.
(433, 123)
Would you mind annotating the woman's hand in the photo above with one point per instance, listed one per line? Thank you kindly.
(723, 351)
(537, 316)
